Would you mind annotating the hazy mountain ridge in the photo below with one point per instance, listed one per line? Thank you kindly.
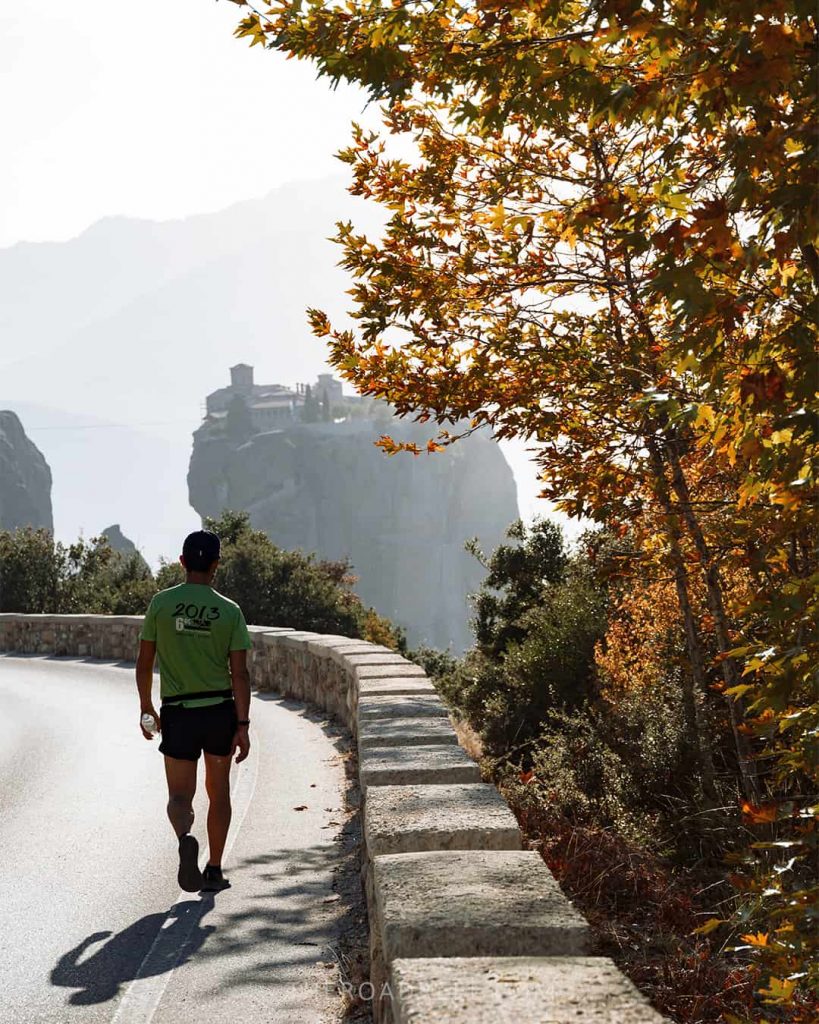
(132, 322)
(50, 290)
(172, 345)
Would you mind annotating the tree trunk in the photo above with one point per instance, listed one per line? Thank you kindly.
(695, 682)
(716, 605)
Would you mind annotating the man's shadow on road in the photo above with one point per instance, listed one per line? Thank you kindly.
(121, 959)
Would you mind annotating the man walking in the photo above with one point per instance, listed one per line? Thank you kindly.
(202, 641)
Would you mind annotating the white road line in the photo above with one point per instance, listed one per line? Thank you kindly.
(143, 995)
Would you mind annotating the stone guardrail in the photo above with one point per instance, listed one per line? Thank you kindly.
(466, 926)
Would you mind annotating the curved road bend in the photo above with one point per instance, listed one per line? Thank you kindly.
(93, 926)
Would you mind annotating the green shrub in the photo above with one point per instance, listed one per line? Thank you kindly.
(618, 768)
(539, 613)
(530, 688)
(273, 587)
(29, 571)
(515, 580)
(41, 575)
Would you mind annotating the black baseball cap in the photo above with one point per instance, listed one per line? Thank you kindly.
(200, 550)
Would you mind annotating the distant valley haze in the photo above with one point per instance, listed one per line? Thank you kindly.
(110, 341)
(142, 319)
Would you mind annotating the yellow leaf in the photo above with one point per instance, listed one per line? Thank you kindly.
(579, 54)
(521, 222)
(568, 234)
(498, 216)
(709, 926)
(779, 990)
(782, 496)
(688, 362)
(738, 691)
(760, 939)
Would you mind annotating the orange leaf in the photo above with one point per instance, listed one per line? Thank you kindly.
(762, 814)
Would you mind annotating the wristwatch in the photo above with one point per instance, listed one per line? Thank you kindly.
(244, 721)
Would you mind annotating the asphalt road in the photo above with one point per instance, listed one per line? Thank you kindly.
(93, 926)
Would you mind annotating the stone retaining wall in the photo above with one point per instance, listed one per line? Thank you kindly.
(465, 925)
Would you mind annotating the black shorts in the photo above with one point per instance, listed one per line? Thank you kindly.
(186, 732)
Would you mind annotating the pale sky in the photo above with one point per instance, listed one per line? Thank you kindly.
(154, 110)
(150, 109)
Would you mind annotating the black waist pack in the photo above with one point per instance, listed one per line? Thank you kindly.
(195, 696)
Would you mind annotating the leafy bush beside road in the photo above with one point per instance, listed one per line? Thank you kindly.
(39, 574)
(43, 575)
(576, 688)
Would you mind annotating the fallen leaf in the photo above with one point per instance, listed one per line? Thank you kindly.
(709, 926)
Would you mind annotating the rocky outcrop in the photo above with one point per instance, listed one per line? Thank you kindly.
(402, 521)
(25, 478)
(122, 544)
(118, 541)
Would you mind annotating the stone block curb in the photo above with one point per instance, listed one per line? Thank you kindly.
(339, 647)
(396, 766)
(408, 705)
(390, 686)
(401, 731)
(515, 990)
(341, 652)
(296, 639)
(395, 687)
(366, 659)
(473, 903)
(413, 818)
(400, 668)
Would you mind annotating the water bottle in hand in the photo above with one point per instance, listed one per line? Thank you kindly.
(149, 724)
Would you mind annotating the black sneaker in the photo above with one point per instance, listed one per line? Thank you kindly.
(189, 876)
(213, 880)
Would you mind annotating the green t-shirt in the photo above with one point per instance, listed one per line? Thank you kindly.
(194, 628)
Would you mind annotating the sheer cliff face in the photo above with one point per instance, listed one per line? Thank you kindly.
(402, 521)
(25, 479)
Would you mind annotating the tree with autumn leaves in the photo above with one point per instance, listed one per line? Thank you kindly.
(607, 244)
